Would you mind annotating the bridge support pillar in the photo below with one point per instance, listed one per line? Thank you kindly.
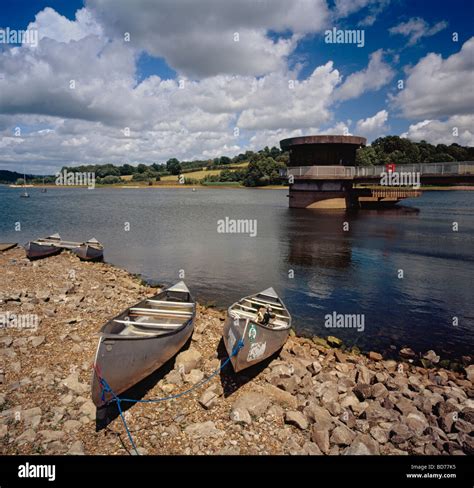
(323, 194)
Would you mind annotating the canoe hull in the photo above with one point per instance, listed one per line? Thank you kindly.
(125, 362)
(89, 253)
(38, 251)
(259, 343)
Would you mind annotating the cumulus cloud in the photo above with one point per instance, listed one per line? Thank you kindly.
(437, 87)
(377, 74)
(374, 126)
(456, 129)
(416, 28)
(52, 25)
(212, 37)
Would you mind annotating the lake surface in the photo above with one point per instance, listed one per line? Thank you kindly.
(315, 266)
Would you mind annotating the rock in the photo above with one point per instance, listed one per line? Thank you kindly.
(36, 341)
(32, 417)
(375, 356)
(310, 449)
(379, 391)
(417, 422)
(340, 356)
(297, 419)
(43, 295)
(470, 373)
(194, 376)
(255, 403)
(280, 397)
(364, 375)
(188, 360)
(2, 400)
(315, 368)
(289, 385)
(89, 410)
(174, 377)
(362, 391)
(28, 435)
(240, 415)
(407, 353)
(342, 436)
(320, 342)
(404, 406)
(321, 438)
(362, 445)
(3, 430)
(209, 398)
(334, 341)
(400, 433)
(76, 449)
(203, 430)
(71, 425)
(51, 435)
(432, 357)
(72, 382)
(379, 434)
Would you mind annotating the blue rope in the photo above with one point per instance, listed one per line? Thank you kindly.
(106, 389)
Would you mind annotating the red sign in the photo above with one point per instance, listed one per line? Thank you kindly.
(390, 167)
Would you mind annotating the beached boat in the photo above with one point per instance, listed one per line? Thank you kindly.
(141, 339)
(92, 250)
(259, 341)
(44, 247)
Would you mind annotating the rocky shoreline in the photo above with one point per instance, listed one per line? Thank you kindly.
(314, 398)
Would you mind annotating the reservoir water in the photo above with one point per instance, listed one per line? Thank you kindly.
(406, 272)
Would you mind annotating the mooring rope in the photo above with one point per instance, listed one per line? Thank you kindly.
(105, 388)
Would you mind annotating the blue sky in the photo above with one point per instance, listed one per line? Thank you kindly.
(183, 85)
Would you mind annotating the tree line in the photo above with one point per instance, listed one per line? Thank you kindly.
(263, 166)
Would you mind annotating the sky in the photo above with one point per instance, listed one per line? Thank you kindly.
(119, 81)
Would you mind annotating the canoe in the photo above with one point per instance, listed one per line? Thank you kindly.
(141, 339)
(92, 250)
(44, 247)
(259, 341)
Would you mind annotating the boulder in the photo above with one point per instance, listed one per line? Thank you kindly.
(240, 415)
(375, 356)
(188, 360)
(255, 403)
(280, 397)
(209, 398)
(342, 436)
(334, 341)
(203, 429)
(320, 437)
(293, 417)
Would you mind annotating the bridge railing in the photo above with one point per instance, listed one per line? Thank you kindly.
(349, 172)
(435, 169)
(319, 171)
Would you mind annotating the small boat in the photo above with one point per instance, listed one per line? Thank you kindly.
(141, 339)
(92, 250)
(44, 247)
(259, 341)
(25, 194)
(43, 190)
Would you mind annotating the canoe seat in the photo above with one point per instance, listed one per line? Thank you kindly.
(160, 311)
(172, 304)
(263, 303)
(275, 324)
(253, 310)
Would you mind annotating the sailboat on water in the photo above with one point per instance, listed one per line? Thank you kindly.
(43, 190)
(25, 194)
